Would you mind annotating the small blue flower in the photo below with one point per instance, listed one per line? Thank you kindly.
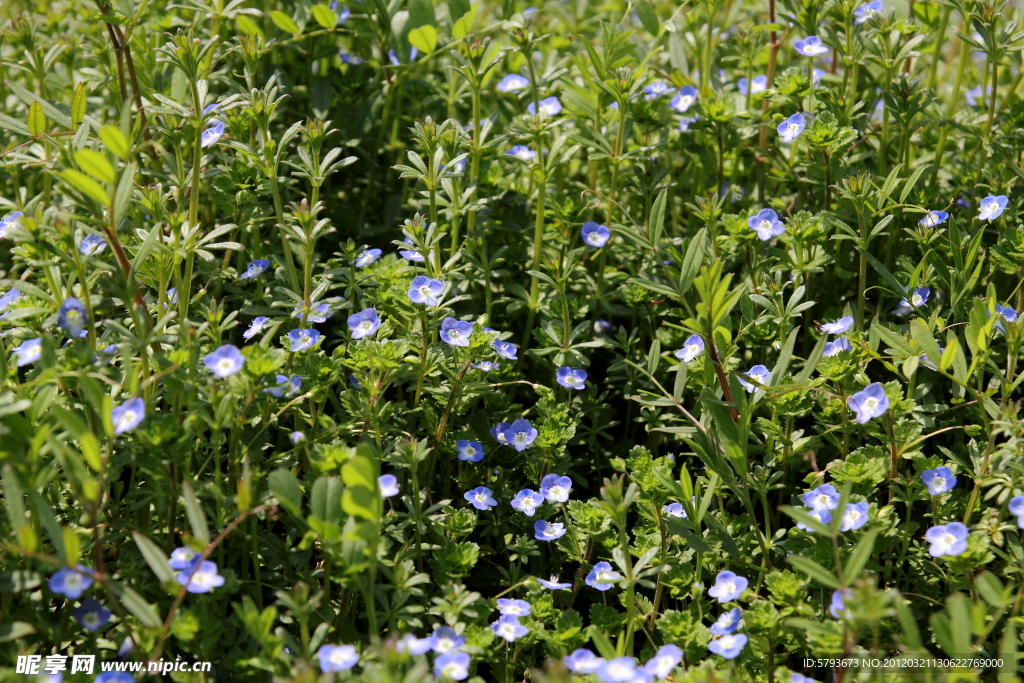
(837, 608)
(854, 516)
(9, 298)
(811, 46)
(521, 152)
(303, 339)
(354, 381)
(297, 437)
(834, 348)
(255, 268)
(664, 661)
(839, 326)
(602, 577)
(869, 403)
(1016, 507)
(657, 89)
(595, 235)
(486, 365)
(225, 361)
(128, 415)
(456, 332)
(127, 647)
(91, 245)
(91, 615)
(334, 658)
(553, 584)
(413, 645)
(791, 128)
(212, 134)
(766, 224)
(760, 84)
(728, 646)
(28, 351)
(444, 640)
(618, 670)
(498, 432)
(1006, 314)
(411, 254)
(367, 257)
(172, 295)
(425, 290)
(555, 488)
(512, 83)
(692, 347)
(825, 497)
(388, 484)
(520, 434)
(727, 622)
(71, 317)
(992, 207)
(548, 107)
(582, 661)
(70, 583)
(509, 628)
(256, 326)
(527, 501)
(866, 11)
(939, 481)
(684, 123)
(674, 510)
(202, 580)
(285, 386)
(183, 558)
(343, 15)
(505, 349)
(513, 607)
(453, 666)
(950, 539)
(480, 497)
(364, 323)
(684, 99)
(933, 218)
(917, 299)
(548, 531)
(350, 59)
(318, 312)
(823, 516)
(470, 451)
(572, 378)
(9, 222)
(728, 586)
(758, 373)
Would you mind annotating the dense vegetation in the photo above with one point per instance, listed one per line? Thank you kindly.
(610, 341)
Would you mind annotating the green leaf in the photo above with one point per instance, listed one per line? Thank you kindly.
(91, 450)
(52, 112)
(359, 501)
(893, 283)
(910, 636)
(859, 557)
(325, 499)
(285, 488)
(679, 528)
(15, 630)
(123, 194)
(814, 570)
(14, 497)
(13, 125)
(78, 105)
(115, 141)
(96, 165)
(801, 516)
(421, 13)
(359, 471)
(86, 185)
(324, 16)
(285, 22)
(458, 9)
(140, 609)
(811, 364)
(53, 528)
(656, 221)
(36, 120)
(423, 38)
(782, 364)
(154, 557)
(195, 514)
(601, 642)
(464, 26)
(648, 17)
(920, 332)
(247, 26)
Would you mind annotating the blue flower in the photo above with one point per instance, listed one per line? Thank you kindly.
(303, 339)
(28, 351)
(444, 640)
(572, 378)
(838, 608)
(618, 670)
(350, 59)
(933, 218)
(834, 348)
(498, 432)
(657, 89)
(509, 628)
(92, 244)
(521, 152)
(9, 298)
(470, 451)
(202, 580)
(811, 46)
(505, 349)
(1007, 314)
(869, 403)
(527, 501)
(728, 646)
(512, 83)
(91, 615)
(939, 481)
(692, 347)
(992, 207)
(225, 361)
(602, 577)
(425, 290)
(183, 558)
(728, 586)
(854, 516)
(70, 583)
(515, 608)
(255, 268)
(364, 323)
(410, 254)
(595, 235)
(760, 84)
(825, 497)
(582, 661)
(520, 434)
(486, 365)
(664, 661)
(823, 516)
(800, 678)
(9, 222)
(128, 415)
(766, 224)
(71, 317)
(343, 15)
(548, 107)
(674, 510)
(839, 326)
(297, 437)
(917, 299)
(1016, 507)
(758, 373)
(256, 326)
(548, 531)
(950, 539)
(553, 584)
(114, 677)
(684, 99)
(791, 128)
(354, 381)
(456, 332)
(318, 312)
(454, 666)
(727, 622)
(684, 123)
(388, 484)
(556, 488)
(212, 134)
(334, 658)
(480, 497)
(866, 11)
(286, 386)
(172, 296)
(367, 257)
(413, 645)
(127, 647)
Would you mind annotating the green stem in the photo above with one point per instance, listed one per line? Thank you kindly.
(289, 262)
(954, 100)
(538, 249)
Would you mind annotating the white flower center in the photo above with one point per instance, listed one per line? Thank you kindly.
(948, 539)
(225, 365)
(917, 299)
(870, 403)
(939, 482)
(605, 577)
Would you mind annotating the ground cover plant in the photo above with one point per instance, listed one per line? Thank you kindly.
(619, 341)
